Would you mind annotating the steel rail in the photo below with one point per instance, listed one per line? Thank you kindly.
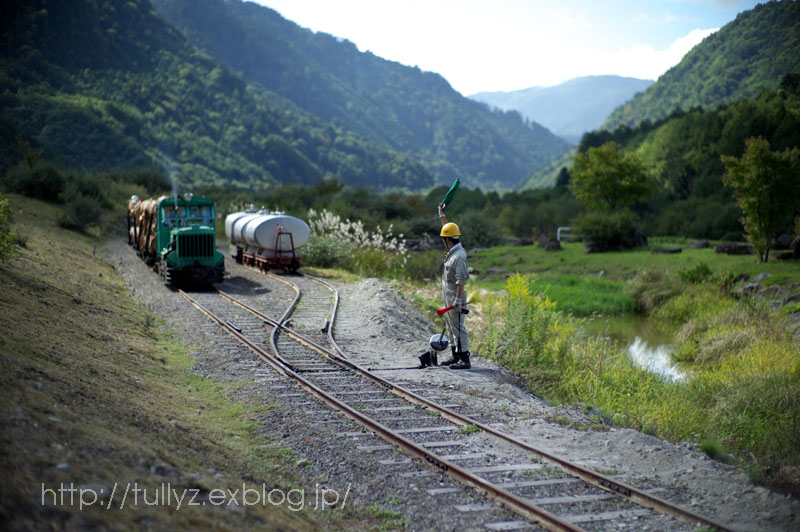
(504, 497)
(293, 305)
(332, 319)
(636, 495)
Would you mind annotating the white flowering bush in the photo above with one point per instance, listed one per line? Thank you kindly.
(337, 242)
(331, 225)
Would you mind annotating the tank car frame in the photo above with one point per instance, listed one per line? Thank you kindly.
(285, 258)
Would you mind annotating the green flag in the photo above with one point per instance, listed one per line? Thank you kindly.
(450, 193)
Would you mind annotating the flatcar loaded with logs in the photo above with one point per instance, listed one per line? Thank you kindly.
(175, 235)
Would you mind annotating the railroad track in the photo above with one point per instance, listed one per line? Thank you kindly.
(541, 488)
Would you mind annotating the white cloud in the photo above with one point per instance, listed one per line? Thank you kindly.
(645, 18)
(642, 61)
(574, 22)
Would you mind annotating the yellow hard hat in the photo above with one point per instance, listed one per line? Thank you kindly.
(450, 230)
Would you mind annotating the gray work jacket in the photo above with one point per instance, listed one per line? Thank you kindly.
(454, 273)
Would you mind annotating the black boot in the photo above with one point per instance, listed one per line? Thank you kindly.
(464, 361)
(425, 359)
(452, 360)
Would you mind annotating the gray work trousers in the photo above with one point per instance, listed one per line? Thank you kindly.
(454, 331)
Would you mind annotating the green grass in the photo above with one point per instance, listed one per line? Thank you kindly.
(623, 265)
(469, 429)
(576, 294)
(599, 283)
(392, 520)
(585, 295)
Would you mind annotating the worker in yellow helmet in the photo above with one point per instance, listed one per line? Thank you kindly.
(454, 276)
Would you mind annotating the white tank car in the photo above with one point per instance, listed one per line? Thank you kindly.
(258, 232)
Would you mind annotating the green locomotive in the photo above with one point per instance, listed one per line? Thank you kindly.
(176, 235)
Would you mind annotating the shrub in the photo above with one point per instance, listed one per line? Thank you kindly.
(376, 263)
(478, 230)
(331, 225)
(326, 252)
(698, 274)
(536, 338)
(90, 186)
(653, 287)
(43, 181)
(8, 237)
(79, 212)
(424, 265)
(347, 244)
(608, 230)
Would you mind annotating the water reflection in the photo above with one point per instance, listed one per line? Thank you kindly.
(649, 347)
(654, 359)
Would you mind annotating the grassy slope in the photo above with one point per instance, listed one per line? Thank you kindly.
(95, 393)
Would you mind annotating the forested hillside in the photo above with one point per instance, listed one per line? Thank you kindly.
(571, 108)
(746, 56)
(411, 111)
(682, 153)
(108, 84)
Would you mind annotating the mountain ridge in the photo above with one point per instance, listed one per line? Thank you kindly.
(749, 54)
(407, 109)
(109, 85)
(571, 108)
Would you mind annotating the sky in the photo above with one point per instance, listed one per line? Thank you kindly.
(506, 45)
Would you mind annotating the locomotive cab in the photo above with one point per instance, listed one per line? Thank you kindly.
(186, 241)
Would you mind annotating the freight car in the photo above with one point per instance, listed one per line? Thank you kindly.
(266, 239)
(175, 235)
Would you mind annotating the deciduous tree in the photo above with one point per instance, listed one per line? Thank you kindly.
(605, 177)
(766, 185)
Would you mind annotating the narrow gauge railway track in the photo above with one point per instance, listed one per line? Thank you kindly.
(570, 498)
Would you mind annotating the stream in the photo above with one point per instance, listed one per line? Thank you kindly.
(647, 347)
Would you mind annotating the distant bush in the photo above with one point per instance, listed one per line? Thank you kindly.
(43, 181)
(478, 230)
(80, 211)
(90, 186)
(8, 237)
(608, 230)
(331, 225)
(423, 266)
(326, 252)
(373, 262)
